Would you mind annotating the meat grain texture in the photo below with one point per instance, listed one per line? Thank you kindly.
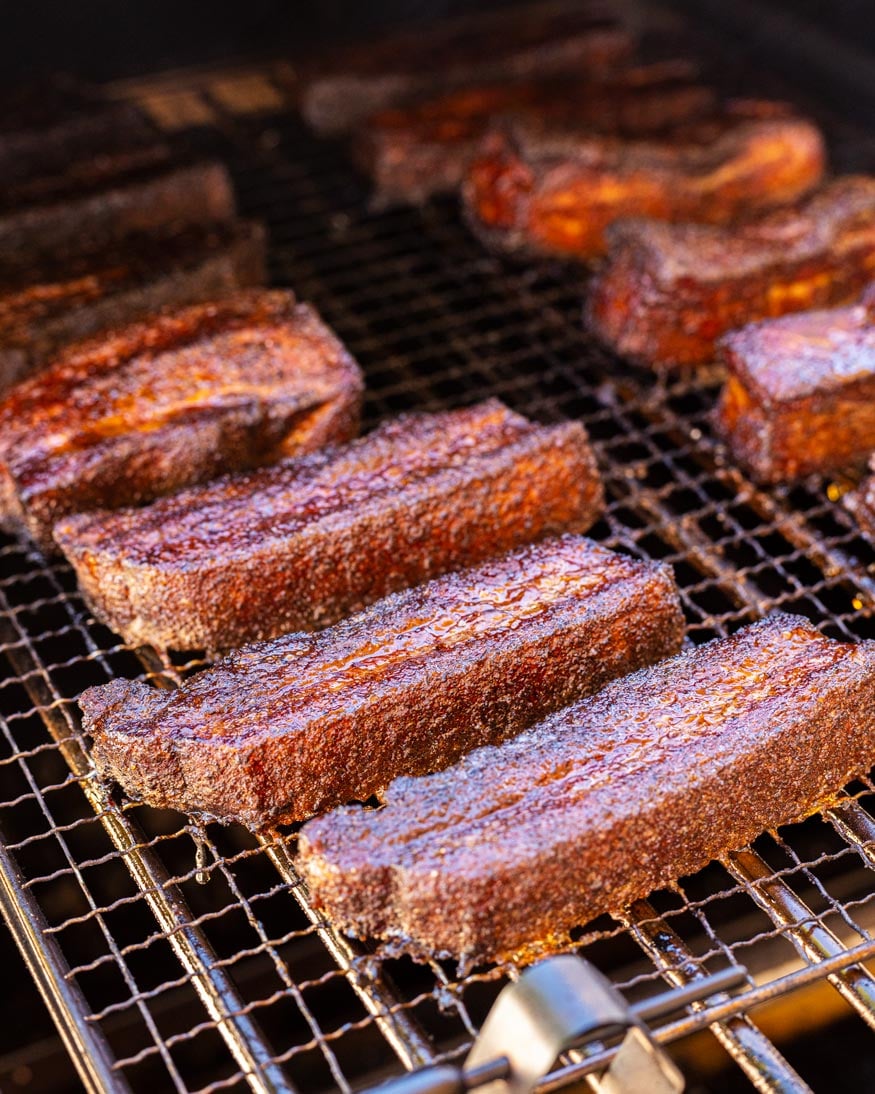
(304, 542)
(49, 302)
(667, 292)
(284, 729)
(536, 189)
(182, 397)
(601, 803)
(800, 394)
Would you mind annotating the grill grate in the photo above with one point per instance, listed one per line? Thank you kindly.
(188, 956)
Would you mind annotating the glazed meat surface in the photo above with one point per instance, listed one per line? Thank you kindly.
(800, 393)
(414, 152)
(668, 292)
(575, 39)
(158, 405)
(598, 805)
(107, 198)
(65, 298)
(304, 542)
(537, 189)
(283, 729)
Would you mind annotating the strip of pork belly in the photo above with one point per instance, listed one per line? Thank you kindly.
(46, 304)
(304, 542)
(668, 292)
(536, 188)
(800, 393)
(283, 729)
(182, 397)
(600, 804)
(414, 152)
(147, 193)
(574, 39)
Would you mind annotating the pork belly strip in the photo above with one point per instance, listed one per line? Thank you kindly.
(572, 38)
(668, 292)
(44, 129)
(146, 194)
(45, 306)
(414, 152)
(283, 729)
(176, 399)
(800, 393)
(533, 190)
(305, 542)
(599, 804)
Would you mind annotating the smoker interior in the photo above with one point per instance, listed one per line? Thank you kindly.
(178, 956)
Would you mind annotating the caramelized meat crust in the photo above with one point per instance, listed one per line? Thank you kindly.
(155, 406)
(66, 298)
(535, 189)
(305, 542)
(668, 292)
(283, 729)
(106, 199)
(800, 393)
(414, 152)
(574, 39)
(598, 805)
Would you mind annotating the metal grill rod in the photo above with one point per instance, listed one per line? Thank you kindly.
(748, 1046)
(165, 901)
(407, 1039)
(812, 939)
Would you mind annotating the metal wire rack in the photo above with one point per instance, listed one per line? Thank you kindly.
(185, 957)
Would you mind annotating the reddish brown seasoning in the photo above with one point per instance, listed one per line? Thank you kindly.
(304, 542)
(283, 729)
(668, 292)
(534, 188)
(160, 404)
(800, 393)
(47, 304)
(600, 804)
(416, 151)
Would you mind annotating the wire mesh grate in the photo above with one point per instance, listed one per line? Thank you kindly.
(192, 956)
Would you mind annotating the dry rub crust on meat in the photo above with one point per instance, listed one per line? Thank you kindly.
(304, 542)
(601, 803)
(182, 397)
(668, 291)
(537, 189)
(96, 207)
(800, 393)
(280, 730)
(414, 152)
(46, 305)
(574, 38)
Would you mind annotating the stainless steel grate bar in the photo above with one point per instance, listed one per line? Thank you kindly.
(813, 940)
(754, 1053)
(165, 901)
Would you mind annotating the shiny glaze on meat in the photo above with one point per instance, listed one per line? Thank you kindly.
(302, 543)
(621, 793)
(47, 304)
(800, 393)
(284, 729)
(537, 189)
(667, 292)
(186, 395)
(416, 151)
